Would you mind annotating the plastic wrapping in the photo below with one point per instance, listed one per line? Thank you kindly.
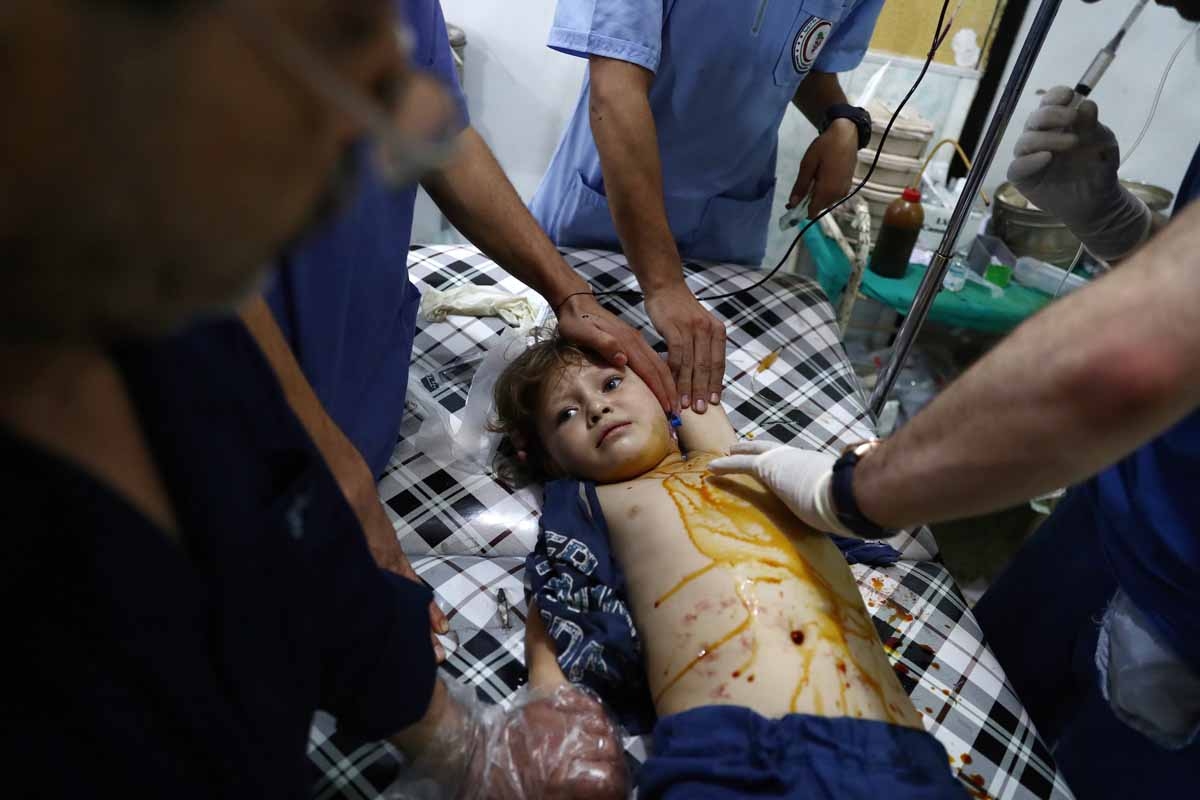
(549, 743)
(466, 440)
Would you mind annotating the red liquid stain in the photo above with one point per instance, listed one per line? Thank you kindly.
(936, 665)
(946, 692)
(966, 758)
(903, 670)
(928, 710)
(737, 673)
(877, 583)
(750, 679)
(976, 788)
(926, 648)
(892, 642)
(898, 612)
(798, 637)
(720, 693)
(842, 668)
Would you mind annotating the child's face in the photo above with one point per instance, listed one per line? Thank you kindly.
(602, 424)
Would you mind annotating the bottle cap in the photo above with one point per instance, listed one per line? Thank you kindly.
(912, 195)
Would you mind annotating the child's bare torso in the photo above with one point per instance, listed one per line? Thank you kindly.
(736, 602)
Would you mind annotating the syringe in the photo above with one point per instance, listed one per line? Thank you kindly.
(1100, 63)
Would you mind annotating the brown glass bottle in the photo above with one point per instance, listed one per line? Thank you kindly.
(902, 222)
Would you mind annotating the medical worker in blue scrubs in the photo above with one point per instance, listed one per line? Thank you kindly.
(338, 322)
(1095, 620)
(671, 151)
(183, 583)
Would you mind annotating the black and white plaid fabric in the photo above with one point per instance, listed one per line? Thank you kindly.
(787, 379)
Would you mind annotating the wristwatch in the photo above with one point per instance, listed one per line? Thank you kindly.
(842, 489)
(859, 116)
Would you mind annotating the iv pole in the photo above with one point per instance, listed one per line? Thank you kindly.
(932, 281)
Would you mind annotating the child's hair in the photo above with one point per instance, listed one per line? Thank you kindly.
(518, 393)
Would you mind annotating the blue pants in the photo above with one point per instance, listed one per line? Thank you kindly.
(729, 752)
(1041, 618)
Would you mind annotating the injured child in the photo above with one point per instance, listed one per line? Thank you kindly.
(700, 599)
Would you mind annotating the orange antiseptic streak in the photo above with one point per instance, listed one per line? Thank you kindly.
(686, 580)
(734, 533)
(767, 361)
(704, 651)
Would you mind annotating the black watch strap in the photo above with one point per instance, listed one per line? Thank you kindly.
(859, 116)
(842, 489)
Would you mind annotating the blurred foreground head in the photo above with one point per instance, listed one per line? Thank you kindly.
(156, 154)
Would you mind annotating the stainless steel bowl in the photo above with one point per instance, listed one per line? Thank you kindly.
(1029, 231)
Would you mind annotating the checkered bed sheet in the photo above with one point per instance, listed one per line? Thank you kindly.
(787, 379)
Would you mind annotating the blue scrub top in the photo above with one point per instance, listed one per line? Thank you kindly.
(191, 669)
(1149, 518)
(342, 297)
(725, 71)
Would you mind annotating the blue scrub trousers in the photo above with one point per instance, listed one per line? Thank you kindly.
(1041, 617)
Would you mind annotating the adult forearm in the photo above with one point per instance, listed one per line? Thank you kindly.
(627, 140)
(477, 197)
(344, 461)
(1070, 392)
(816, 93)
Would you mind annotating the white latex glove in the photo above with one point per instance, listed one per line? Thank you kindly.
(800, 478)
(1066, 164)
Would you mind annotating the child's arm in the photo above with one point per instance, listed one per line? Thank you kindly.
(541, 657)
(710, 432)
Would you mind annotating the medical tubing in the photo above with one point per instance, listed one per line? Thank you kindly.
(916, 183)
(938, 38)
(1162, 83)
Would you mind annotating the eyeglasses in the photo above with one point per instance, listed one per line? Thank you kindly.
(413, 134)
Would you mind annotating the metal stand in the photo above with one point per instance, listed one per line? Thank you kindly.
(932, 281)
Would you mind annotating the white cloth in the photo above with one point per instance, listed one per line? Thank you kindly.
(470, 300)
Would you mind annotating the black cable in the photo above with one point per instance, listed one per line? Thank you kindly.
(938, 37)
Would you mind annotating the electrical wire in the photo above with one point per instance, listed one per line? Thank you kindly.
(1162, 83)
(939, 36)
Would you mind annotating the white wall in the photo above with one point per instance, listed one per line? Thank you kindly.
(1126, 91)
(520, 92)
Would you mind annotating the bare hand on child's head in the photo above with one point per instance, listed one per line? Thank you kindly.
(584, 322)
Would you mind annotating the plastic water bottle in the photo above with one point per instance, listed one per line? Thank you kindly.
(956, 274)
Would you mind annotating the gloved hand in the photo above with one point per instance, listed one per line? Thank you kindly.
(800, 478)
(556, 743)
(1066, 164)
